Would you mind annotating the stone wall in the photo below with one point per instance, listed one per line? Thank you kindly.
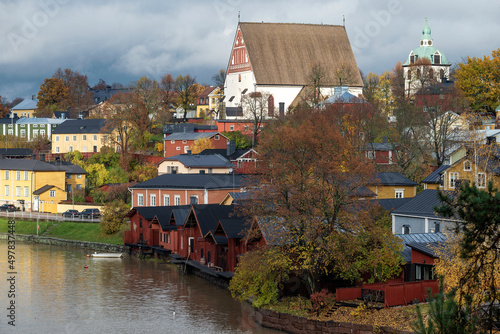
(63, 242)
(298, 325)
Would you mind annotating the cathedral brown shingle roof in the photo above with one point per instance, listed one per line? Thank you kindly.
(284, 53)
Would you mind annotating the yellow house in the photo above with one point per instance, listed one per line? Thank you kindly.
(35, 185)
(392, 185)
(25, 108)
(435, 179)
(75, 177)
(208, 101)
(477, 170)
(84, 135)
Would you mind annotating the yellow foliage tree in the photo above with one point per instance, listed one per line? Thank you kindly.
(200, 145)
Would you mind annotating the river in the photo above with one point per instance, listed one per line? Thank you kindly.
(52, 292)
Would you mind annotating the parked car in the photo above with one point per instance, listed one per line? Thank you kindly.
(8, 207)
(90, 213)
(71, 213)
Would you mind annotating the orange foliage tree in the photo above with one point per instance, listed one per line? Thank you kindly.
(312, 174)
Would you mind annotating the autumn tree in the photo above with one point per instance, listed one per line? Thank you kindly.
(316, 79)
(257, 106)
(3, 109)
(113, 216)
(473, 267)
(187, 92)
(52, 95)
(79, 95)
(167, 86)
(311, 171)
(100, 85)
(479, 80)
(200, 145)
(150, 93)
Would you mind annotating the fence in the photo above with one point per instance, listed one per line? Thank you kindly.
(394, 293)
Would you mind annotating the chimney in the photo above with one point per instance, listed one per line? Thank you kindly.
(231, 148)
(188, 152)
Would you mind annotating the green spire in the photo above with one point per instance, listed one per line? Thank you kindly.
(426, 32)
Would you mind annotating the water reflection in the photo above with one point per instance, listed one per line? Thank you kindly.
(56, 294)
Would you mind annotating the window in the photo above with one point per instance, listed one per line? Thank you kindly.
(68, 176)
(437, 227)
(184, 141)
(178, 148)
(370, 154)
(57, 138)
(118, 139)
(172, 142)
(166, 200)
(57, 149)
(140, 222)
(78, 176)
(95, 137)
(68, 188)
(84, 149)
(35, 133)
(247, 128)
(191, 244)
(231, 127)
(167, 238)
(18, 191)
(70, 149)
(186, 149)
(216, 137)
(467, 165)
(400, 193)
(6, 174)
(74, 137)
(94, 148)
(140, 200)
(481, 180)
(406, 229)
(26, 175)
(26, 191)
(66, 138)
(437, 58)
(194, 199)
(23, 133)
(18, 175)
(152, 200)
(453, 177)
(177, 200)
(78, 187)
(84, 137)
(172, 169)
(52, 193)
(7, 191)
(42, 133)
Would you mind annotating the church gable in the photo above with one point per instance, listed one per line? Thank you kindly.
(239, 61)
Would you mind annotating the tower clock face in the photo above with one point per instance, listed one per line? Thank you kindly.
(430, 42)
(421, 42)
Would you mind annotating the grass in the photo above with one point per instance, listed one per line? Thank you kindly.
(67, 230)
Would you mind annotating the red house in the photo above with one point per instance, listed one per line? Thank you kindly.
(180, 142)
(382, 153)
(244, 160)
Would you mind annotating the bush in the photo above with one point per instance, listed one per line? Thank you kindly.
(320, 300)
(113, 216)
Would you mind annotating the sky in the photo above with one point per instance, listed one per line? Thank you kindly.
(122, 41)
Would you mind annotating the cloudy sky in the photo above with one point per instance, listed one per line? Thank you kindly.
(121, 41)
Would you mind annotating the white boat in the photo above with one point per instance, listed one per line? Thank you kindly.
(115, 255)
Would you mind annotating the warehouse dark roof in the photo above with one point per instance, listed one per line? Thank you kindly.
(421, 205)
(420, 240)
(435, 176)
(26, 164)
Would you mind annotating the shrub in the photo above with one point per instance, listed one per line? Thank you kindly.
(320, 300)
(113, 216)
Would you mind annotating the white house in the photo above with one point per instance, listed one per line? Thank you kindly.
(278, 58)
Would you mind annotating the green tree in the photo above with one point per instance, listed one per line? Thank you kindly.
(260, 275)
(446, 316)
(478, 227)
(113, 216)
(479, 80)
(242, 141)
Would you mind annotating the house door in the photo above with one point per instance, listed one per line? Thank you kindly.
(36, 204)
(191, 246)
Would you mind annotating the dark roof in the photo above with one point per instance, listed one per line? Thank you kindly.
(162, 214)
(101, 95)
(240, 197)
(186, 127)
(380, 146)
(16, 152)
(43, 189)
(8, 120)
(208, 215)
(193, 181)
(235, 227)
(363, 192)
(391, 204)
(181, 213)
(435, 176)
(80, 126)
(191, 135)
(392, 179)
(235, 155)
(420, 239)
(68, 167)
(428, 248)
(421, 205)
(201, 160)
(26, 164)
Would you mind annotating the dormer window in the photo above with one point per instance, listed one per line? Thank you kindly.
(467, 166)
(437, 58)
(412, 58)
